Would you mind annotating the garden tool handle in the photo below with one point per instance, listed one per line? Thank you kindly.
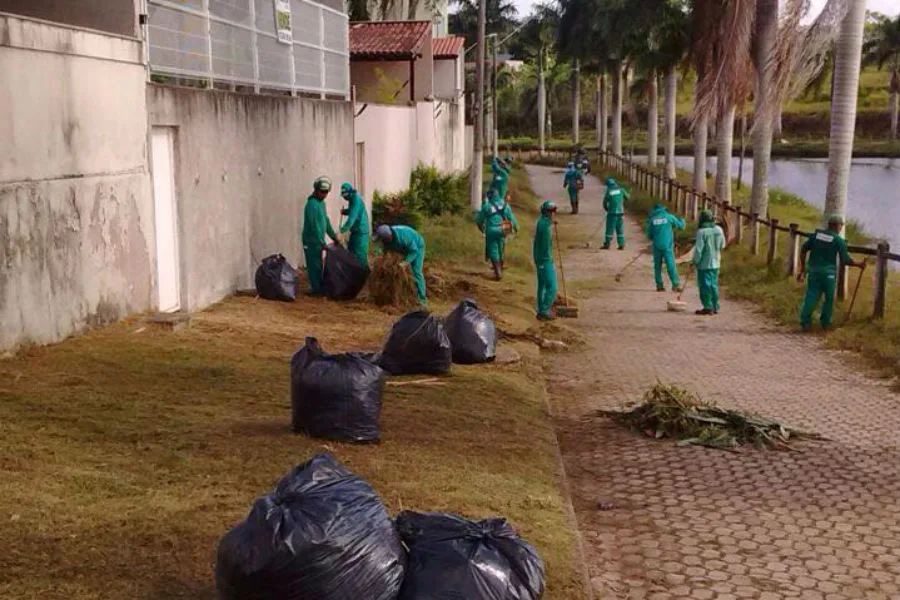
(862, 270)
(562, 273)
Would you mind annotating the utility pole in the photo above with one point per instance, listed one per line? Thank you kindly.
(494, 113)
(477, 168)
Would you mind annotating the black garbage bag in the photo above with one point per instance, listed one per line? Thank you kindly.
(276, 279)
(472, 334)
(451, 557)
(417, 344)
(344, 275)
(323, 534)
(336, 396)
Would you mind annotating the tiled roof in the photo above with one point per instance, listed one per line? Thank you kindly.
(448, 47)
(388, 40)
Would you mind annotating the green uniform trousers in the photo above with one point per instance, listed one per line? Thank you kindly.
(419, 276)
(358, 245)
(708, 282)
(314, 268)
(818, 285)
(667, 256)
(573, 194)
(546, 287)
(494, 244)
(615, 224)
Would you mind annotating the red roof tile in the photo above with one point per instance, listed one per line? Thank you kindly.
(387, 40)
(448, 47)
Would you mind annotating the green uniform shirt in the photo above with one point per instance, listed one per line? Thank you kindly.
(709, 246)
(571, 177)
(357, 218)
(493, 213)
(316, 223)
(543, 237)
(406, 241)
(660, 228)
(614, 200)
(824, 247)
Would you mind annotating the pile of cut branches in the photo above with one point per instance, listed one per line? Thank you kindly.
(671, 412)
(391, 283)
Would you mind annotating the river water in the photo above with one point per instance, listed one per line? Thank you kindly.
(874, 193)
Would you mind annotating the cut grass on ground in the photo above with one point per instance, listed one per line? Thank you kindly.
(128, 452)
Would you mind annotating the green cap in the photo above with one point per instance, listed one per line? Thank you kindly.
(548, 206)
(347, 190)
(706, 216)
(834, 218)
(322, 184)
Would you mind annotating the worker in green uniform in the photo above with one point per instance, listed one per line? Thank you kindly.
(614, 205)
(542, 252)
(708, 260)
(315, 225)
(823, 248)
(500, 181)
(496, 220)
(357, 223)
(573, 179)
(406, 241)
(661, 227)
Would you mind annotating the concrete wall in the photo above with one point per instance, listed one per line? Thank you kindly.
(449, 136)
(447, 78)
(76, 214)
(113, 16)
(389, 133)
(244, 167)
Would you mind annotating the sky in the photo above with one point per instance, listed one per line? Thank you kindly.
(888, 7)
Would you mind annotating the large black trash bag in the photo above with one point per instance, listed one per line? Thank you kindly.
(323, 534)
(417, 344)
(276, 279)
(472, 334)
(344, 275)
(451, 557)
(336, 396)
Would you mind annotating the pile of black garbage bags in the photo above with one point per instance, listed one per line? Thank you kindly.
(344, 276)
(338, 396)
(324, 534)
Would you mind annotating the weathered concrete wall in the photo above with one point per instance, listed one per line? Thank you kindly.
(449, 136)
(378, 81)
(113, 16)
(446, 78)
(76, 215)
(244, 167)
(389, 133)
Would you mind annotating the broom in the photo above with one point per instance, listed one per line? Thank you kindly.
(677, 305)
(565, 311)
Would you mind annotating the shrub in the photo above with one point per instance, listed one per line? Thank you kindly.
(436, 194)
(395, 209)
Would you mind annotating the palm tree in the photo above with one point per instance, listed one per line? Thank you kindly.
(763, 52)
(534, 42)
(576, 101)
(500, 18)
(883, 49)
(602, 117)
(847, 65)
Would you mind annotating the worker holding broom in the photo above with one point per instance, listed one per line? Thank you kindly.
(823, 248)
(708, 260)
(543, 261)
(661, 227)
(573, 181)
(496, 220)
(315, 225)
(406, 241)
(357, 223)
(614, 205)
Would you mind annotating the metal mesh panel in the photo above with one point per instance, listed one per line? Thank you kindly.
(232, 49)
(274, 62)
(236, 11)
(308, 66)
(265, 16)
(178, 41)
(336, 73)
(336, 35)
(305, 20)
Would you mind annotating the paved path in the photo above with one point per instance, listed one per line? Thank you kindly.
(699, 523)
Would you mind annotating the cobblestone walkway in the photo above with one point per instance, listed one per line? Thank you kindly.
(699, 523)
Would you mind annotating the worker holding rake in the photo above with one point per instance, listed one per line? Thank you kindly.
(614, 205)
(496, 220)
(543, 261)
(661, 227)
(708, 260)
(573, 181)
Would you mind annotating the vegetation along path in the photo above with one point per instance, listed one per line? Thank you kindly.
(661, 521)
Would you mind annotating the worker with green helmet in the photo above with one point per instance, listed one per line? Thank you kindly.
(315, 226)
(708, 260)
(660, 229)
(823, 247)
(543, 261)
(406, 241)
(573, 180)
(496, 220)
(357, 223)
(614, 205)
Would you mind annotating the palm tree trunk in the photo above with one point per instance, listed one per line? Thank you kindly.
(601, 111)
(653, 121)
(766, 32)
(617, 109)
(724, 145)
(894, 100)
(701, 132)
(843, 107)
(576, 102)
(671, 120)
(542, 104)
(778, 125)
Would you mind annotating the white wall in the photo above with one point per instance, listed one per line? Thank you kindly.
(446, 83)
(76, 212)
(389, 133)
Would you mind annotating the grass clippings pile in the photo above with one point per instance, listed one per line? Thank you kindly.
(670, 412)
(391, 282)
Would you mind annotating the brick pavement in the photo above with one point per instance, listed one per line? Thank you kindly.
(699, 523)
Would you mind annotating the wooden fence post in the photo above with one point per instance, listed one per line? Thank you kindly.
(773, 241)
(793, 259)
(881, 277)
(754, 233)
(738, 226)
(695, 201)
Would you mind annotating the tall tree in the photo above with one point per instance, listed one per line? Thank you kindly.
(534, 42)
(501, 18)
(576, 101)
(602, 117)
(763, 52)
(883, 49)
(847, 64)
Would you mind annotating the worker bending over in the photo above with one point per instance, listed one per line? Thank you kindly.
(573, 181)
(661, 227)
(357, 223)
(406, 241)
(708, 260)
(823, 248)
(315, 225)
(614, 205)
(496, 220)
(543, 261)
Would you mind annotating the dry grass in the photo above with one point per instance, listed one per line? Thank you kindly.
(128, 452)
(391, 282)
